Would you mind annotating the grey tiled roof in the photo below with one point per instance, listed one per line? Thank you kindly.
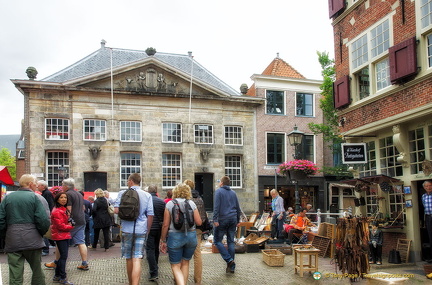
(99, 61)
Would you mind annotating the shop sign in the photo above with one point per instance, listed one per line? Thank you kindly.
(354, 153)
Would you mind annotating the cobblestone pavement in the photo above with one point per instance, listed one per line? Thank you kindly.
(108, 268)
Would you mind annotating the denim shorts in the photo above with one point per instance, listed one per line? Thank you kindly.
(181, 245)
(126, 245)
(77, 234)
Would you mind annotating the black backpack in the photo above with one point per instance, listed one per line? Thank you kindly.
(129, 208)
(180, 218)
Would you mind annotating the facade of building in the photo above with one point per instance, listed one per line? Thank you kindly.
(290, 100)
(118, 111)
(383, 96)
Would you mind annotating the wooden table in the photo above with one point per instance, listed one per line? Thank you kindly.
(313, 262)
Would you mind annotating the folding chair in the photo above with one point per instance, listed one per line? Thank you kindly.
(300, 238)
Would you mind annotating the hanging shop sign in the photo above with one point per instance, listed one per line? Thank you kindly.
(354, 153)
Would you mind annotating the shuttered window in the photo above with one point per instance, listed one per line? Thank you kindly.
(341, 92)
(335, 6)
(403, 60)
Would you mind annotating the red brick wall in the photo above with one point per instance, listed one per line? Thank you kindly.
(354, 24)
(390, 242)
(407, 99)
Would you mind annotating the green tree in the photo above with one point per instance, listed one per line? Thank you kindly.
(330, 128)
(6, 159)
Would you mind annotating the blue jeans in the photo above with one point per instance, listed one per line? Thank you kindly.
(226, 227)
(181, 245)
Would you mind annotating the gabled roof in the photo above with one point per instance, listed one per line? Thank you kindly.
(100, 61)
(278, 67)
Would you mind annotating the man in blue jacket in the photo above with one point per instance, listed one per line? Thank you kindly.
(226, 216)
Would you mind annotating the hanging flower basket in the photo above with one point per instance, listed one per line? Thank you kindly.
(298, 169)
(297, 175)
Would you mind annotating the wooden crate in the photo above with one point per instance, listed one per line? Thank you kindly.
(322, 243)
(286, 249)
(273, 257)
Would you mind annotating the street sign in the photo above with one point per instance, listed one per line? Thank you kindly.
(271, 166)
(354, 153)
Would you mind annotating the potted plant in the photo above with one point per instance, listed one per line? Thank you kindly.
(298, 168)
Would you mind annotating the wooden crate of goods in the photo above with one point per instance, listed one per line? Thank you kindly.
(285, 249)
(273, 257)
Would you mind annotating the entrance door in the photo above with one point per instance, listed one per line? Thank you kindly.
(204, 185)
(95, 180)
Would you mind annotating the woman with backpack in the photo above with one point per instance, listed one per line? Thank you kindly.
(180, 218)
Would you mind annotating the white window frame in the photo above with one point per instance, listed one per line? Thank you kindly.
(365, 58)
(203, 134)
(233, 169)
(126, 134)
(385, 149)
(425, 19)
(233, 135)
(370, 168)
(417, 155)
(130, 162)
(397, 201)
(171, 167)
(94, 130)
(167, 132)
(57, 129)
(54, 161)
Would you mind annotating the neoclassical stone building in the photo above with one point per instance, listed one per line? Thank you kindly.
(118, 111)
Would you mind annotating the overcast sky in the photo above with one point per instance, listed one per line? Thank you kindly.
(232, 39)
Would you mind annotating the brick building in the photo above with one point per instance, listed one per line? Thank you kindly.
(119, 111)
(383, 97)
(290, 100)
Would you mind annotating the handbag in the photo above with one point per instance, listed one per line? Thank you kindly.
(110, 209)
(48, 233)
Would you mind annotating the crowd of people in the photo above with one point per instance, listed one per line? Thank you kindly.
(64, 218)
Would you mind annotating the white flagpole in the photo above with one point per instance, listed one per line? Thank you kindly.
(190, 92)
(112, 86)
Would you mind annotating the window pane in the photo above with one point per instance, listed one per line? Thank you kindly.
(233, 170)
(275, 148)
(304, 104)
(94, 130)
(233, 135)
(57, 167)
(171, 170)
(426, 13)
(203, 134)
(56, 129)
(380, 39)
(130, 131)
(383, 74)
(363, 82)
(388, 158)
(359, 52)
(275, 102)
(130, 163)
(172, 132)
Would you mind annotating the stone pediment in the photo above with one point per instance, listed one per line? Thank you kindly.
(149, 79)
